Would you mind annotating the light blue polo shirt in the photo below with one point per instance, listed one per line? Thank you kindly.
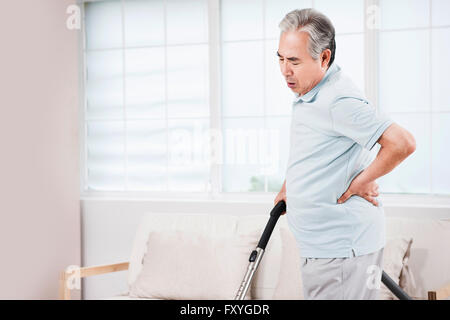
(333, 133)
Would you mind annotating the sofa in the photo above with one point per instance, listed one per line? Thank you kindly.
(205, 256)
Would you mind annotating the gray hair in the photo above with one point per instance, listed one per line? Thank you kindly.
(317, 25)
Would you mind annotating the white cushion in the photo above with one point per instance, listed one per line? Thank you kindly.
(187, 265)
(194, 257)
(202, 223)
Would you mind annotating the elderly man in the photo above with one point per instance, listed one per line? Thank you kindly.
(330, 188)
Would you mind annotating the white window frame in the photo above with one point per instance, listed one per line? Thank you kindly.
(371, 88)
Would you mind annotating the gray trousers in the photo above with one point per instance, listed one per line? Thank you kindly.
(354, 278)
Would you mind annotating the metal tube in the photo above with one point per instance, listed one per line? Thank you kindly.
(255, 259)
(394, 287)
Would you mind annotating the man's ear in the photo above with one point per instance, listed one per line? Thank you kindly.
(325, 57)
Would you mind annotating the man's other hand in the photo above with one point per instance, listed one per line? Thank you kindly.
(366, 190)
(281, 196)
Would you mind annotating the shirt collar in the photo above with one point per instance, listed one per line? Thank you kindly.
(307, 97)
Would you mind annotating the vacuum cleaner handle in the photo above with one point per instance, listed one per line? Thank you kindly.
(394, 287)
(257, 254)
(279, 208)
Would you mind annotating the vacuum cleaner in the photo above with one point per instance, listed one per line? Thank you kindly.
(257, 254)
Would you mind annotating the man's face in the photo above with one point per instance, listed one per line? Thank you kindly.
(299, 69)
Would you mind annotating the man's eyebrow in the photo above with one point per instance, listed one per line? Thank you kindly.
(290, 59)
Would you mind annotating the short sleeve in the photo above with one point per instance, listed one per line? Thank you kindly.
(358, 120)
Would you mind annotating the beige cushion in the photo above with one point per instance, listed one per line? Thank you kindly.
(395, 264)
(191, 265)
(205, 224)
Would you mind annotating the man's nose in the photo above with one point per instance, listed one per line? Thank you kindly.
(285, 69)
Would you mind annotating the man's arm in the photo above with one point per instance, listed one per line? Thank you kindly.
(396, 145)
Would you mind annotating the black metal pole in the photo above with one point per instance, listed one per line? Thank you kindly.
(274, 215)
(394, 287)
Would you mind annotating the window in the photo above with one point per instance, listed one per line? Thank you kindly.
(412, 85)
(146, 94)
(160, 75)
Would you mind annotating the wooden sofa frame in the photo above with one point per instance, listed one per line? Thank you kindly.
(64, 290)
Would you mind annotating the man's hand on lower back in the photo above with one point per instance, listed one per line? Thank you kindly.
(396, 145)
(359, 187)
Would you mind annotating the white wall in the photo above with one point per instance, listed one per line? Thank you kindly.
(108, 227)
(39, 161)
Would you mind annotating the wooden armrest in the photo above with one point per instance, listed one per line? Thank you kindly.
(440, 294)
(64, 290)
